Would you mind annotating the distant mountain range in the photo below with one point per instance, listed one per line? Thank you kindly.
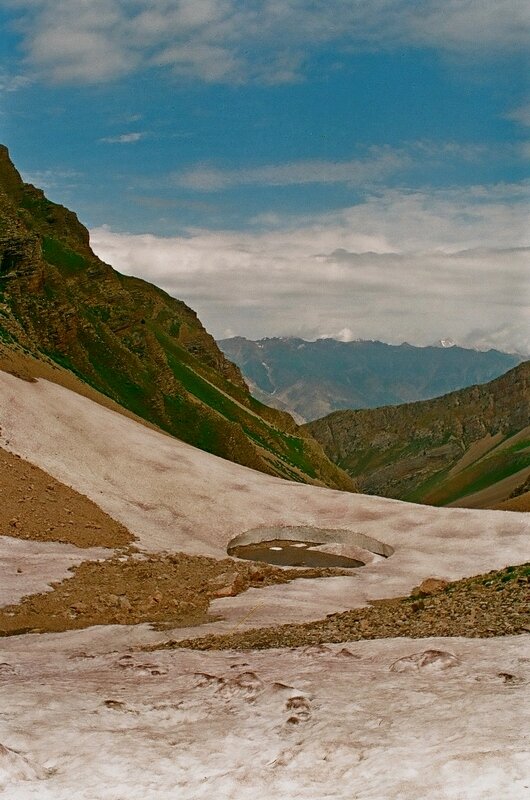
(132, 342)
(468, 448)
(312, 379)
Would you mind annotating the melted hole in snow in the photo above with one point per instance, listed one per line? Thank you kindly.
(307, 546)
(292, 554)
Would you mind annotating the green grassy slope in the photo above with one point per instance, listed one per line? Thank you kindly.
(438, 451)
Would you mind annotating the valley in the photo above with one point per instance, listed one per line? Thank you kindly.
(132, 342)
(314, 379)
(201, 598)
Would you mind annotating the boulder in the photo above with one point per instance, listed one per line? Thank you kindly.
(431, 586)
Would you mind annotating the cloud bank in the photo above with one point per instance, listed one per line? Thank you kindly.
(249, 40)
(402, 265)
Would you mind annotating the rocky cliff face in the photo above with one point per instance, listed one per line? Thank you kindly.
(438, 451)
(133, 342)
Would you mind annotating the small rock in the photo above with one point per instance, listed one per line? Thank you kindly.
(223, 579)
(112, 600)
(116, 705)
(80, 607)
(226, 591)
(125, 603)
(229, 583)
(507, 677)
(431, 586)
(257, 574)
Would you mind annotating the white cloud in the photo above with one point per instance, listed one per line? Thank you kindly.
(13, 83)
(506, 337)
(237, 40)
(381, 163)
(413, 266)
(50, 179)
(76, 40)
(459, 25)
(520, 115)
(123, 138)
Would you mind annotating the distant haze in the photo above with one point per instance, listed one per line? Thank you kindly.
(311, 379)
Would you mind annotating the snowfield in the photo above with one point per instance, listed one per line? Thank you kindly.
(175, 497)
(362, 721)
(85, 715)
(29, 567)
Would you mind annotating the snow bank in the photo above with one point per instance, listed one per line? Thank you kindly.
(330, 722)
(175, 497)
(28, 567)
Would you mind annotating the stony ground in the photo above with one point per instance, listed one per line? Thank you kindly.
(168, 590)
(493, 604)
(130, 587)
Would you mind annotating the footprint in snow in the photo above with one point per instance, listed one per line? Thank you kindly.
(430, 660)
(246, 685)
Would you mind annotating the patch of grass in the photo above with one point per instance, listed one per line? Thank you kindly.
(523, 445)
(5, 336)
(420, 493)
(288, 448)
(478, 476)
(56, 253)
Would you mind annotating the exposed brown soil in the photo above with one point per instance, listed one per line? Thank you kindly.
(519, 499)
(168, 590)
(493, 604)
(36, 506)
(520, 503)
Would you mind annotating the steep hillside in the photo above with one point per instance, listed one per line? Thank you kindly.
(312, 379)
(133, 342)
(467, 448)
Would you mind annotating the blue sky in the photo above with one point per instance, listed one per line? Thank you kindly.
(235, 152)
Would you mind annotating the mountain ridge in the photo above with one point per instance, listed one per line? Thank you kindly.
(133, 342)
(313, 379)
(471, 446)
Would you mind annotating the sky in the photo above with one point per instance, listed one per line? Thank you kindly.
(349, 168)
